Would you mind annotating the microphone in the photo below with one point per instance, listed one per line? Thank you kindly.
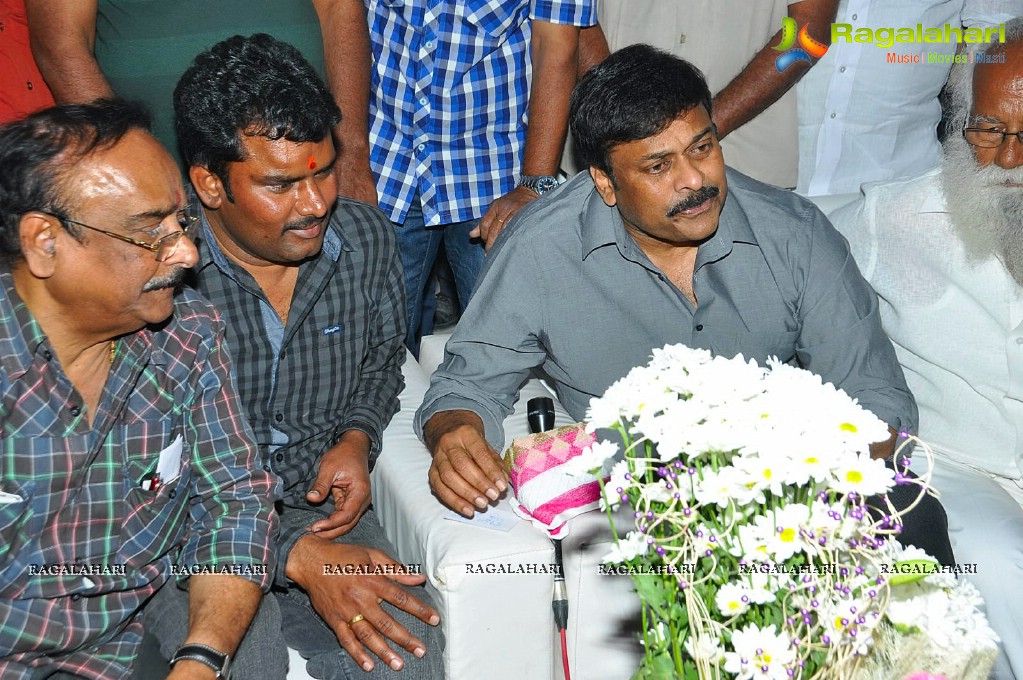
(540, 413)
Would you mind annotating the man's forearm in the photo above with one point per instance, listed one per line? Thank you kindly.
(760, 84)
(63, 35)
(220, 609)
(347, 58)
(555, 54)
(593, 48)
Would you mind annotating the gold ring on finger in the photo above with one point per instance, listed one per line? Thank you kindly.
(356, 619)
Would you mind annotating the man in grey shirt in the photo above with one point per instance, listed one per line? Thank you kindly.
(643, 251)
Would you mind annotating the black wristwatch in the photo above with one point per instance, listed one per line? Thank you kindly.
(218, 661)
(538, 184)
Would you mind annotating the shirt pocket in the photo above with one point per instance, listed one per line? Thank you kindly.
(494, 17)
(15, 512)
(154, 521)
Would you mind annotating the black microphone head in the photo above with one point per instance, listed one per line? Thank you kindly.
(540, 413)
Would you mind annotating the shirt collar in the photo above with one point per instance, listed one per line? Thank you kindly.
(211, 253)
(22, 336)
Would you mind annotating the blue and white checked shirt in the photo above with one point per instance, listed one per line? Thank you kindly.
(449, 99)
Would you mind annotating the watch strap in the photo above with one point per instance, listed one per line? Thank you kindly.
(538, 184)
(217, 660)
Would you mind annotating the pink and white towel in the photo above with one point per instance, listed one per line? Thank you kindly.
(545, 493)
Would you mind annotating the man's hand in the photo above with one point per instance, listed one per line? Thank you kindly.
(500, 213)
(355, 179)
(344, 477)
(465, 470)
(340, 598)
(884, 450)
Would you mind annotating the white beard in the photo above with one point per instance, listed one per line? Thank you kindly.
(987, 215)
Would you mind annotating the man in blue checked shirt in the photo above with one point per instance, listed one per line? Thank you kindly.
(468, 113)
(124, 454)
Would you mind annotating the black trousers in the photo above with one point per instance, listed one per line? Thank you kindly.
(926, 525)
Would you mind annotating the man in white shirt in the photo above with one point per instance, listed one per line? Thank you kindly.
(944, 251)
(730, 41)
(863, 119)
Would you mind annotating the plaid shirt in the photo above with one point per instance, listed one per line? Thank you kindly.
(72, 493)
(449, 99)
(338, 366)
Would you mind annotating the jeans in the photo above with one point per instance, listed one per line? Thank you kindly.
(306, 632)
(261, 655)
(418, 245)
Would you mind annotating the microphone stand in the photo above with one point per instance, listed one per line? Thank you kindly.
(540, 413)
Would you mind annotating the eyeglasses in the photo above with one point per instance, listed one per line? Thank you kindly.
(164, 247)
(986, 138)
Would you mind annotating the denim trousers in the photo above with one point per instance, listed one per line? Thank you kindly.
(418, 245)
(306, 632)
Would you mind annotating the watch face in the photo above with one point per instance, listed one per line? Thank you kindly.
(545, 184)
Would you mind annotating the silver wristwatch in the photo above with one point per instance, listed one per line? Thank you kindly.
(538, 184)
(218, 661)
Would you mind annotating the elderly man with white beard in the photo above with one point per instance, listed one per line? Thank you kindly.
(944, 252)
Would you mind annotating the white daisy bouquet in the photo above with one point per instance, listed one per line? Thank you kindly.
(751, 546)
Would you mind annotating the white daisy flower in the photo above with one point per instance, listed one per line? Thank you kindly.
(591, 459)
(732, 599)
(630, 547)
(759, 653)
(861, 474)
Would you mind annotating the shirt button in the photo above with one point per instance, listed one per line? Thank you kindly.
(1019, 341)
(29, 84)
(48, 355)
(284, 353)
(682, 38)
(699, 327)
(429, 44)
(173, 493)
(76, 597)
(855, 17)
(423, 100)
(841, 70)
(279, 417)
(267, 468)
(75, 411)
(279, 457)
(420, 147)
(833, 114)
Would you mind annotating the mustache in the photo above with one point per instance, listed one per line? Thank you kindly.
(172, 280)
(304, 223)
(701, 195)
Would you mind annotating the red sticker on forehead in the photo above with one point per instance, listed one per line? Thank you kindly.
(312, 163)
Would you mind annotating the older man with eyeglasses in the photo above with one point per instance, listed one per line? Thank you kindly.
(945, 253)
(124, 454)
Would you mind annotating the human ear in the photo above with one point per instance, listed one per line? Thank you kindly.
(208, 186)
(37, 235)
(605, 186)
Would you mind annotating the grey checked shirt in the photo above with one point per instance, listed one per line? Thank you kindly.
(567, 290)
(337, 364)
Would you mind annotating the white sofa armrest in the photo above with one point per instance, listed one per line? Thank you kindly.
(488, 619)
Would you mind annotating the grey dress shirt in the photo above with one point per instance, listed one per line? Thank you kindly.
(567, 290)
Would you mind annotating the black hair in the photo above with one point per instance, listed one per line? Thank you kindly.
(38, 154)
(635, 93)
(255, 85)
